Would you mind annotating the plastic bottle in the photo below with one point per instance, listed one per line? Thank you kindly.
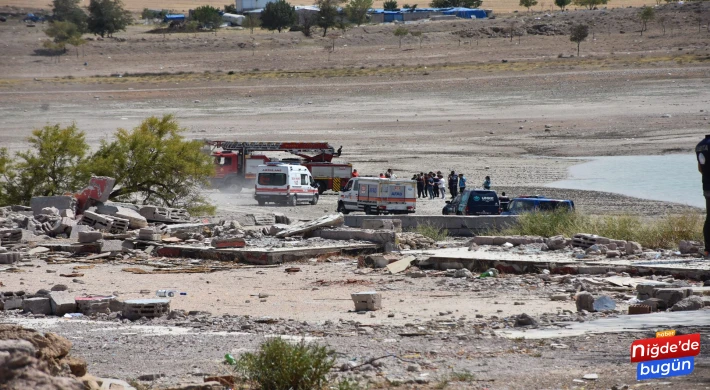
(230, 359)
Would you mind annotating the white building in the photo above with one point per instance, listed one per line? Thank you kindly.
(248, 5)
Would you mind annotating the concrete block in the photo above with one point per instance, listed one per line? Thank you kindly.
(690, 303)
(671, 296)
(62, 303)
(135, 220)
(10, 257)
(367, 301)
(134, 309)
(645, 289)
(87, 237)
(11, 300)
(376, 261)
(62, 202)
(119, 225)
(112, 246)
(633, 248)
(483, 240)
(76, 229)
(96, 221)
(246, 219)
(265, 219)
(10, 236)
(38, 305)
(164, 214)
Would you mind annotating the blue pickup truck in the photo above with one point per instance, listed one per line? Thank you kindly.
(525, 204)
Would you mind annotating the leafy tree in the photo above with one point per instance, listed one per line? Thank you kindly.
(69, 11)
(307, 25)
(62, 34)
(343, 25)
(662, 20)
(278, 15)
(207, 16)
(107, 17)
(400, 32)
(55, 162)
(579, 33)
(230, 9)
(356, 10)
(251, 22)
(327, 15)
(563, 3)
(528, 4)
(456, 3)
(590, 4)
(409, 8)
(647, 14)
(390, 5)
(419, 35)
(155, 164)
(154, 14)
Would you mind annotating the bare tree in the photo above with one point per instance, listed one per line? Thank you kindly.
(662, 21)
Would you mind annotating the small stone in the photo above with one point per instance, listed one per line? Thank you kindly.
(524, 320)
(59, 287)
(585, 301)
(590, 377)
(391, 315)
(559, 297)
(414, 368)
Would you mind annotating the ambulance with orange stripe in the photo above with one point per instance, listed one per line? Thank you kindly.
(283, 183)
(378, 196)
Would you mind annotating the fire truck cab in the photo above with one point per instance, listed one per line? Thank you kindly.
(283, 183)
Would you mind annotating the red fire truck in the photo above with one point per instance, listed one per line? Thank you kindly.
(236, 163)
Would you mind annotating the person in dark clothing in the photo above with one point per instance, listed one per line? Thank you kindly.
(420, 186)
(340, 151)
(453, 184)
(430, 186)
(504, 201)
(487, 183)
(702, 152)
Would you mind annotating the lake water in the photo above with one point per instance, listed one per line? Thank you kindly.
(672, 178)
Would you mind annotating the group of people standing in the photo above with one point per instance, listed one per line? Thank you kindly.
(433, 185)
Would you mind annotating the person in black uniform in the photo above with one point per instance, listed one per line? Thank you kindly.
(702, 152)
(504, 201)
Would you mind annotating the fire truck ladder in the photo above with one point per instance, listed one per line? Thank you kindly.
(310, 151)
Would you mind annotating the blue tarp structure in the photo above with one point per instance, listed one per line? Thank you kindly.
(391, 16)
(174, 17)
(466, 13)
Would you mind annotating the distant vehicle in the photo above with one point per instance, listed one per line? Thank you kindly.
(285, 184)
(33, 18)
(375, 195)
(473, 202)
(525, 204)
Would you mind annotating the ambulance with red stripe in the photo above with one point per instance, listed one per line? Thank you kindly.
(378, 196)
(283, 183)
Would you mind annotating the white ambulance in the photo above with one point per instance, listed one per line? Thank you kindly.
(378, 196)
(283, 183)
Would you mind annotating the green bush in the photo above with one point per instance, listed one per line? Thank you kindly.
(664, 232)
(280, 365)
(432, 231)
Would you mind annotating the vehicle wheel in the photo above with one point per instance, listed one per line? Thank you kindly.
(315, 200)
(231, 185)
(261, 202)
(368, 210)
(341, 208)
(321, 187)
(292, 201)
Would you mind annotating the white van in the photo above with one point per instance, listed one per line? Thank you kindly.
(283, 183)
(378, 196)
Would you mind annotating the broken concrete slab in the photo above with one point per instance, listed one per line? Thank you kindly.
(456, 225)
(277, 228)
(37, 305)
(382, 224)
(10, 257)
(75, 230)
(331, 220)
(228, 242)
(689, 303)
(61, 202)
(112, 246)
(671, 296)
(385, 238)
(400, 265)
(135, 220)
(62, 303)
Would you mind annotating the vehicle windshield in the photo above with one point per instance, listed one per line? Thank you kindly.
(272, 179)
(521, 205)
(553, 205)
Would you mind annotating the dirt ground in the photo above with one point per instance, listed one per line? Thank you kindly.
(451, 104)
